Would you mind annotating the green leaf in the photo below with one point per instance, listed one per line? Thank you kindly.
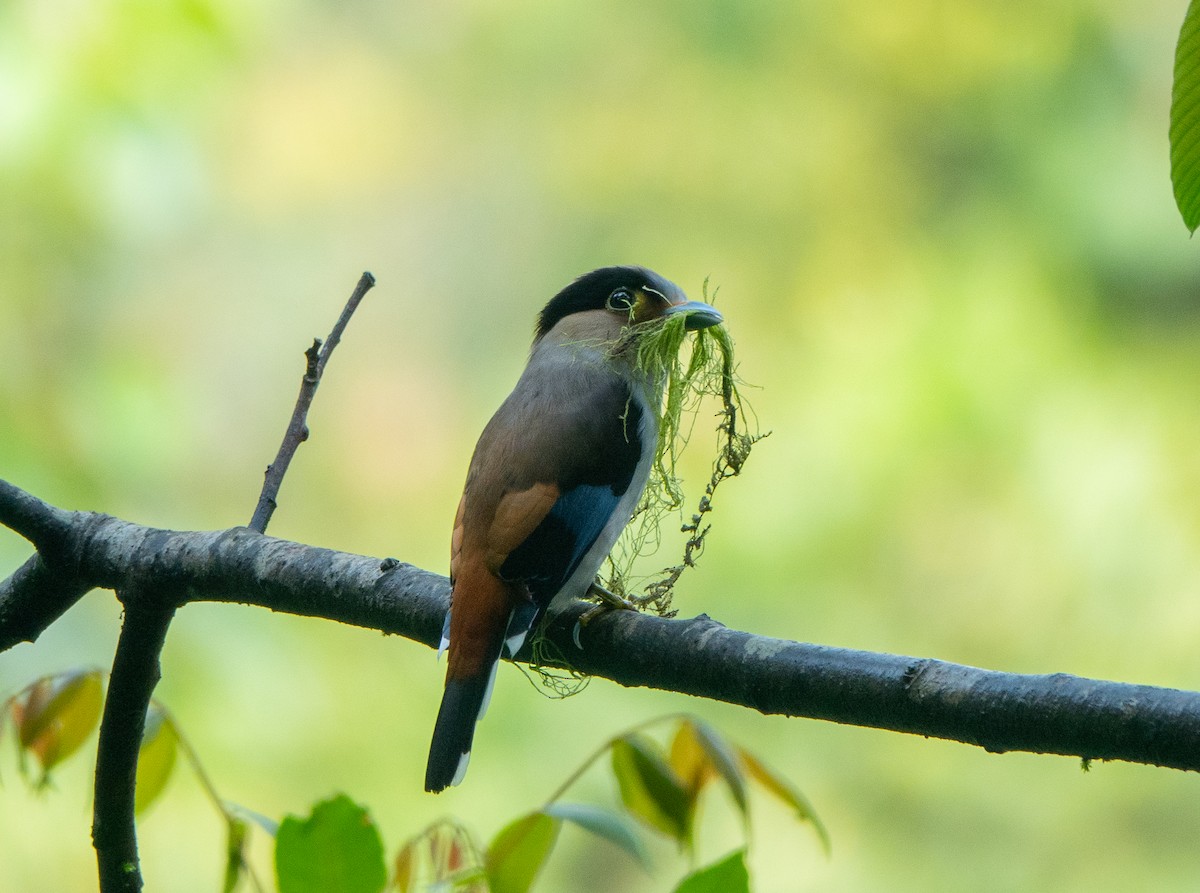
(727, 876)
(519, 851)
(156, 757)
(235, 853)
(55, 715)
(605, 823)
(1185, 119)
(650, 789)
(335, 850)
(723, 759)
(786, 791)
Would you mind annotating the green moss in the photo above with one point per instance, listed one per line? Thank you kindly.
(706, 371)
(550, 672)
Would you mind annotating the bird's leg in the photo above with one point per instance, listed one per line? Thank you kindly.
(608, 601)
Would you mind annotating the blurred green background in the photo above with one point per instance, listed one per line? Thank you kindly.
(945, 243)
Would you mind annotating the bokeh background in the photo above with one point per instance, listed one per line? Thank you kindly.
(945, 244)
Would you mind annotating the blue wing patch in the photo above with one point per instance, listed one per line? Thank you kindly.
(552, 552)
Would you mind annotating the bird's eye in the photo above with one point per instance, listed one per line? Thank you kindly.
(619, 300)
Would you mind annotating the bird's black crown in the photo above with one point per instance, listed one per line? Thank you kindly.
(591, 291)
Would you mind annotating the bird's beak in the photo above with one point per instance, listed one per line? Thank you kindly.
(698, 314)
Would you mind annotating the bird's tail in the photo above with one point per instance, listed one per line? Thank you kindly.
(463, 704)
(466, 699)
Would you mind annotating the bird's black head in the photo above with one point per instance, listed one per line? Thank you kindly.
(635, 291)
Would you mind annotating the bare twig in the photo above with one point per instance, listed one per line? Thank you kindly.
(316, 358)
(365, 283)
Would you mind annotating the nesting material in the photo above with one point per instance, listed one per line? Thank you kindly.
(707, 371)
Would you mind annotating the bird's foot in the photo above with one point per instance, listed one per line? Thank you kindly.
(609, 601)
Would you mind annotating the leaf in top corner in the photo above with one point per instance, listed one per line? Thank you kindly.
(1185, 119)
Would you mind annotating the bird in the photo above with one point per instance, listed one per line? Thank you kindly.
(555, 477)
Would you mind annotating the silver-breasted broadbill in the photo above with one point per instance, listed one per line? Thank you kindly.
(555, 477)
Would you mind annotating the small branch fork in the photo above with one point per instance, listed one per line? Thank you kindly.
(149, 607)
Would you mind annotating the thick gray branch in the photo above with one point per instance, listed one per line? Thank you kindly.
(1056, 713)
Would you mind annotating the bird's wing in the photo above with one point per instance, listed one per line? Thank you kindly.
(549, 555)
(582, 434)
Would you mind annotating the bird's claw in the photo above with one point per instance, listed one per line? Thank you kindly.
(609, 601)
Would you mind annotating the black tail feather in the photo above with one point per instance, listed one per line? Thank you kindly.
(454, 730)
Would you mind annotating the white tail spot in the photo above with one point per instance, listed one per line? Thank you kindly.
(461, 772)
(487, 692)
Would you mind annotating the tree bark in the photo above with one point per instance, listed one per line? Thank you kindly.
(1056, 713)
